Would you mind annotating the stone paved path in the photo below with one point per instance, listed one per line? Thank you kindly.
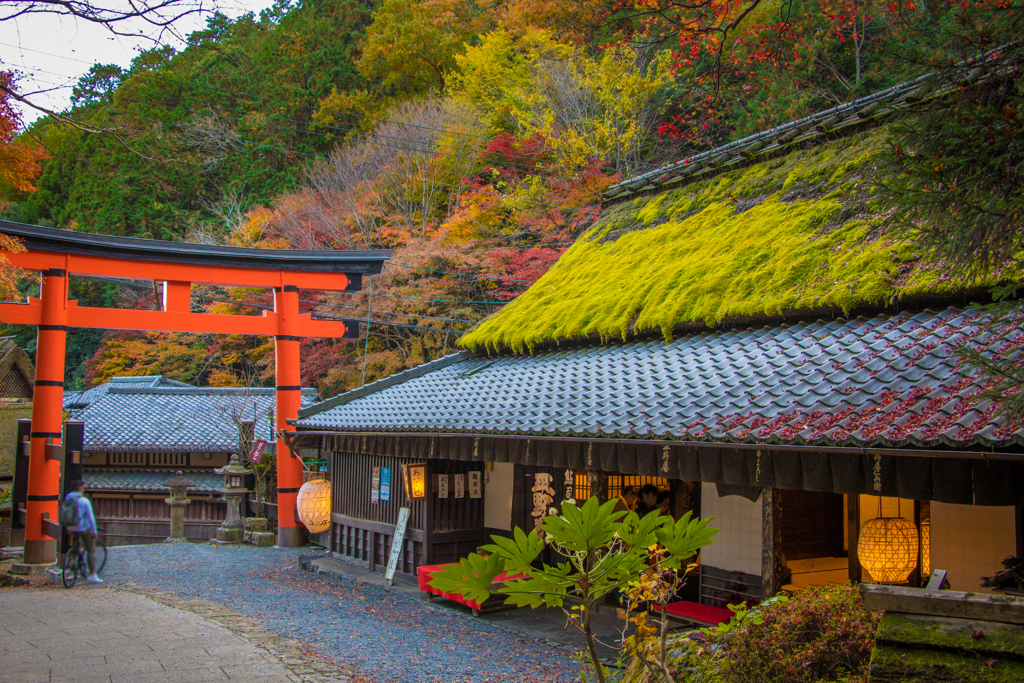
(115, 636)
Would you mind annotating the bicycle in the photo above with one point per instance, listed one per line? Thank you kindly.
(75, 563)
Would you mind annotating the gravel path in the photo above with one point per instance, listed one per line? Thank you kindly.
(386, 635)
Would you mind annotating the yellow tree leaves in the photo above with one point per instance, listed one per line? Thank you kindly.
(587, 107)
(412, 45)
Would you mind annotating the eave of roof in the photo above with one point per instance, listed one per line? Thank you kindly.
(881, 382)
(67, 241)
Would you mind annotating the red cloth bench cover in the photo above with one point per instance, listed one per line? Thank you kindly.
(424, 572)
(694, 611)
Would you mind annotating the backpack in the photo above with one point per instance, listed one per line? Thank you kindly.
(70, 515)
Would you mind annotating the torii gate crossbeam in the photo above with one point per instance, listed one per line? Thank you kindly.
(58, 254)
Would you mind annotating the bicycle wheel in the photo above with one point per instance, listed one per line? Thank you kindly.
(101, 555)
(69, 573)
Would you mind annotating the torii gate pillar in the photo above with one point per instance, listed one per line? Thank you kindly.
(47, 412)
(289, 400)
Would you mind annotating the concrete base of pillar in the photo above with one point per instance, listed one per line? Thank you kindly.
(230, 535)
(40, 552)
(24, 569)
(291, 536)
(11, 553)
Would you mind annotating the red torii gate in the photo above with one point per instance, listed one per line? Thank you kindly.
(57, 254)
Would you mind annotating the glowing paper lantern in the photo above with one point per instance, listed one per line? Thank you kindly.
(415, 480)
(887, 548)
(314, 505)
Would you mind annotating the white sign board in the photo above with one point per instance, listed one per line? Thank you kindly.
(474, 485)
(442, 486)
(460, 485)
(397, 545)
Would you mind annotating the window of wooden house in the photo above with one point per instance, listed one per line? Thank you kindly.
(617, 482)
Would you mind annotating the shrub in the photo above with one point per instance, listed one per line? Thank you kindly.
(820, 634)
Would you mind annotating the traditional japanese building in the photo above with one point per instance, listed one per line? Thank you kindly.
(17, 381)
(139, 431)
(738, 331)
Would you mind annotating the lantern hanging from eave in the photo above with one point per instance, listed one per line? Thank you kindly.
(414, 477)
(888, 548)
(314, 505)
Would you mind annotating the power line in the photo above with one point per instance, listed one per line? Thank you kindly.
(300, 104)
(279, 148)
(263, 307)
(445, 272)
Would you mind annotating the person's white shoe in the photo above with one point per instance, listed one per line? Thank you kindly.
(92, 578)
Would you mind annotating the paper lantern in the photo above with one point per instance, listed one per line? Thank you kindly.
(415, 480)
(887, 548)
(314, 505)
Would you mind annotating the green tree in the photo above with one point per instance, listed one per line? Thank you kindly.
(601, 551)
(412, 46)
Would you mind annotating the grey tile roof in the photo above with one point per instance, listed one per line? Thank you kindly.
(103, 479)
(77, 400)
(129, 417)
(883, 381)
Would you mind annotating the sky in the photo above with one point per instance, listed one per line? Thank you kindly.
(51, 52)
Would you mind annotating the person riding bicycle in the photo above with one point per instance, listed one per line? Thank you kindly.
(85, 527)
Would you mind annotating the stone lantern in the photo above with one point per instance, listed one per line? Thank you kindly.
(233, 529)
(178, 500)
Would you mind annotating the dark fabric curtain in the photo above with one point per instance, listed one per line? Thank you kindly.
(947, 480)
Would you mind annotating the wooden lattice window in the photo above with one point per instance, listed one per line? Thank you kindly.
(617, 482)
(123, 458)
(168, 459)
(13, 385)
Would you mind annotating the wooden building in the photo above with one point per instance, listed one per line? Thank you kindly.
(738, 331)
(17, 381)
(140, 430)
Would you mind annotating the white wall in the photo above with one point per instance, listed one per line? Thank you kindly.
(498, 496)
(737, 545)
(970, 541)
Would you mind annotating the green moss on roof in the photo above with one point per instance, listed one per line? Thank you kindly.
(804, 231)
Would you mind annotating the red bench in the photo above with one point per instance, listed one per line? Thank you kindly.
(424, 572)
(696, 613)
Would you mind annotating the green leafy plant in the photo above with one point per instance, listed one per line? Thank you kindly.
(602, 551)
(821, 634)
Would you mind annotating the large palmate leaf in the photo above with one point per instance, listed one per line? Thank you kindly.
(518, 552)
(471, 577)
(639, 532)
(545, 587)
(582, 529)
(683, 538)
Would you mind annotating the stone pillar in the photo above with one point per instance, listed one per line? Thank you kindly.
(178, 500)
(233, 528)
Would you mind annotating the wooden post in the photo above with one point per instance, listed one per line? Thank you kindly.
(74, 440)
(19, 492)
(853, 535)
(1018, 515)
(428, 514)
(685, 497)
(47, 411)
(771, 543)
